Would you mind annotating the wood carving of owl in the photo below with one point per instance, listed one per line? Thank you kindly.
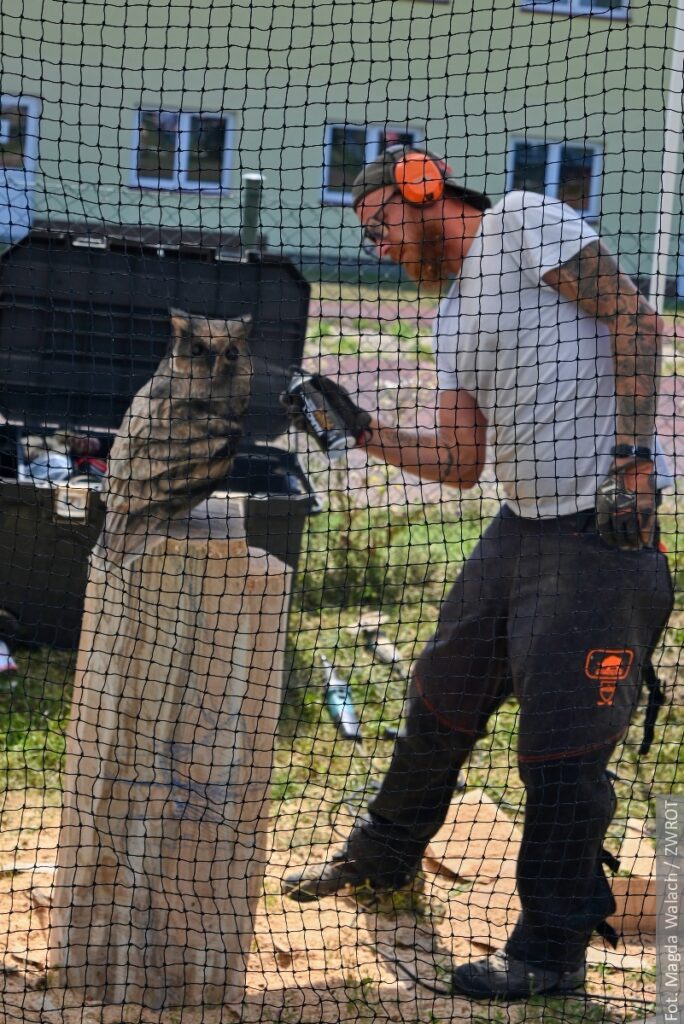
(179, 436)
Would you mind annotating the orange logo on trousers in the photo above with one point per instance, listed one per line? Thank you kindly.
(608, 667)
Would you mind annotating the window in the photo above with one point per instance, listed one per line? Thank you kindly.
(570, 171)
(18, 132)
(602, 8)
(182, 150)
(349, 147)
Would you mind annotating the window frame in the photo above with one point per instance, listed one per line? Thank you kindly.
(374, 132)
(575, 8)
(552, 167)
(180, 181)
(34, 110)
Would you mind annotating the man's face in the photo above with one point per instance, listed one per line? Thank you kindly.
(409, 235)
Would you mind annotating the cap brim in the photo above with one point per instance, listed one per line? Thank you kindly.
(478, 200)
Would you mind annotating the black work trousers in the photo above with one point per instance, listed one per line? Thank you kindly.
(545, 610)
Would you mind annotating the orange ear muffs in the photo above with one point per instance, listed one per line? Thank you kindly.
(419, 179)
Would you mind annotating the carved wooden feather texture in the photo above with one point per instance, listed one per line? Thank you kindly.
(179, 436)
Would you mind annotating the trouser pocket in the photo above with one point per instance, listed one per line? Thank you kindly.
(581, 631)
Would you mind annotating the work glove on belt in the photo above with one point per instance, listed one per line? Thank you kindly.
(626, 504)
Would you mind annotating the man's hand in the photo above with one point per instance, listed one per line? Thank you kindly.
(335, 408)
(626, 505)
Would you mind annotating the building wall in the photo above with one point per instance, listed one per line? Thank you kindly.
(471, 75)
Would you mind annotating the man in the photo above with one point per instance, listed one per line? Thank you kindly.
(547, 350)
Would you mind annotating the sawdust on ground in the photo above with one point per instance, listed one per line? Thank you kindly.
(342, 960)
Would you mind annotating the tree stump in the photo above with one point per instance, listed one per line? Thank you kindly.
(165, 832)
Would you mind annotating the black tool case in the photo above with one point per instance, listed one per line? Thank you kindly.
(84, 322)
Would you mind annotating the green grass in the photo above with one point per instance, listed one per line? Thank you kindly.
(380, 557)
(372, 293)
(326, 337)
(34, 708)
(321, 329)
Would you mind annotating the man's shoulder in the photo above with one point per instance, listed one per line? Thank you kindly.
(509, 216)
(519, 201)
(523, 219)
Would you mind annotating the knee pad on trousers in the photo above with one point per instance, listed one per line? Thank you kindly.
(575, 787)
(561, 883)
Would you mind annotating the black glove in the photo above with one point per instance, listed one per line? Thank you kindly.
(333, 400)
(626, 505)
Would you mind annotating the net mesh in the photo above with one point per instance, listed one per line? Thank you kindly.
(325, 705)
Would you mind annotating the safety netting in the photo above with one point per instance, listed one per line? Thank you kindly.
(340, 560)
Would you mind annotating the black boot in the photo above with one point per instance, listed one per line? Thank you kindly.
(377, 855)
(386, 846)
(499, 976)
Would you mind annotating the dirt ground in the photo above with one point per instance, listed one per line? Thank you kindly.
(338, 961)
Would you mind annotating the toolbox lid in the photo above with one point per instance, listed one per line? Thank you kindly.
(84, 318)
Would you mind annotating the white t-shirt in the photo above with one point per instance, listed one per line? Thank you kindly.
(540, 369)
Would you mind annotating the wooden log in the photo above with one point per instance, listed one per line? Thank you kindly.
(165, 830)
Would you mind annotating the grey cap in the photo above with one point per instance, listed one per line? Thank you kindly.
(379, 173)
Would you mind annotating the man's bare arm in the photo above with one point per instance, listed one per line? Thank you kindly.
(453, 452)
(593, 279)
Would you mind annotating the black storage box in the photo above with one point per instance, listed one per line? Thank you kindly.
(84, 322)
